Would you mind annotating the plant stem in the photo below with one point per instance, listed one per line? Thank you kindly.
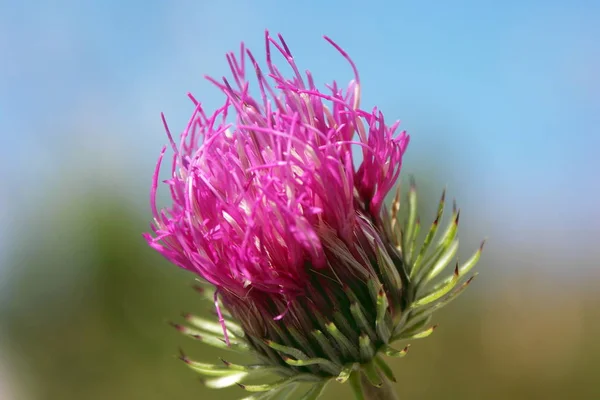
(370, 392)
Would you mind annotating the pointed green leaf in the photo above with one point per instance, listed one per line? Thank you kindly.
(346, 372)
(307, 347)
(290, 351)
(367, 351)
(211, 339)
(386, 219)
(302, 341)
(410, 221)
(372, 375)
(343, 343)
(320, 319)
(437, 265)
(413, 241)
(451, 230)
(374, 286)
(361, 321)
(438, 293)
(385, 368)
(214, 327)
(381, 325)
(413, 325)
(426, 312)
(356, 385)
(429, 237)
(394, 215)
(225, 381)
(271, 386)
(391, 352)
(350, 294)
(282, 337)
(331, 367)
(265, 387)
(443, 244)
(254, 368)
(389, 271)
(235, 367)
(419, 334)
(329, 350)
(210, 369)
(471, 262)
(344, 326)
(265, 353)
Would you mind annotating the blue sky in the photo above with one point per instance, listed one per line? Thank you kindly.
(505, 96)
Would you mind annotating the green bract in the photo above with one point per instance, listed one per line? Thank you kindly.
(362, 331)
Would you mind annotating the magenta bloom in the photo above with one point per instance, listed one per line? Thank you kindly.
(266, 190)
(278, 204)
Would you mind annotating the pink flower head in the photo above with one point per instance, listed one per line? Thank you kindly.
(266, 190)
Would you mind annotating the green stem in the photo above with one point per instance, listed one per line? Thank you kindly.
(364, 390)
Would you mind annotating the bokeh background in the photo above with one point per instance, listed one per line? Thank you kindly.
(502, 100)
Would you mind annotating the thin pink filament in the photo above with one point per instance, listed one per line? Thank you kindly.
(221, 319)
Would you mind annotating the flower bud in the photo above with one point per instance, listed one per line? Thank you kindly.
(278, 207)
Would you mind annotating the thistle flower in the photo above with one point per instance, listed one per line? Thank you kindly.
(278, 207)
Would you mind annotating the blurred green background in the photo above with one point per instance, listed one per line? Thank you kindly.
(502, 101)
